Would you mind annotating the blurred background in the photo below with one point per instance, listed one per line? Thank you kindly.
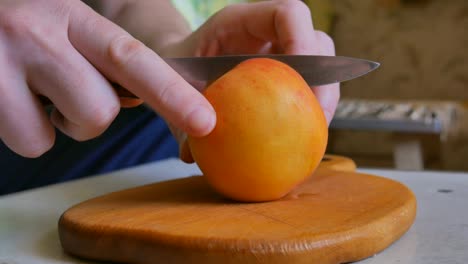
(412, 110)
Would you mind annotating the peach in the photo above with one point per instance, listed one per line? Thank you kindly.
(271, 133)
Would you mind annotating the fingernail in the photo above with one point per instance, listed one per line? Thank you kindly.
(201, 121)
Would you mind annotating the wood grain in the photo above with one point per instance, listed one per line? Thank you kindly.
(336, 216)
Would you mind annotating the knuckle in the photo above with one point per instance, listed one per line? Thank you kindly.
(38, 148)
(123, 49)
(13, 23)
(81, 137)
(21, 28)
(31, 153)
(28, 139)
(93, 125)
(102, 117)
(33, 147)
(293, 7)
(25, 18)
(78, 133)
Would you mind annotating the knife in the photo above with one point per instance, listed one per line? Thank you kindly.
(315, 69)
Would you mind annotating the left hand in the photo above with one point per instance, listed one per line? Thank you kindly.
(266, 27)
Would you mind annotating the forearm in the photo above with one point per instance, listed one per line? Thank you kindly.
(157, 23)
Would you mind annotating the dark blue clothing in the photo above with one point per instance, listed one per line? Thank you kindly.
(137, 136)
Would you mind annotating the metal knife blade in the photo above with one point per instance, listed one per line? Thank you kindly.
(316, 70)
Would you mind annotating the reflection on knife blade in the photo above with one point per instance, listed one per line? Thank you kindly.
(316, 70)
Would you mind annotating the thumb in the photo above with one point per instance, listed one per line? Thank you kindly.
(327, 95)
(128, 62)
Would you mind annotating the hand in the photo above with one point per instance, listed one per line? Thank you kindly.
(260, 28)
(63, 50)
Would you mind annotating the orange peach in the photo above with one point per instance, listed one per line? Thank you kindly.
(270, 135)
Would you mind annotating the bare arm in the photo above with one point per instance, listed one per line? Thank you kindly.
(156, 23)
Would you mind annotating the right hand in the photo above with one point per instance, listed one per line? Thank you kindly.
(65, 51)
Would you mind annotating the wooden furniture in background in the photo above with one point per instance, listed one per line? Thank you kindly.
(421, 45)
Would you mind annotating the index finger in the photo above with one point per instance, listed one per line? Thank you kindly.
(128, 62)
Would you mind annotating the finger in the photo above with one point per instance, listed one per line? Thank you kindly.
(294, 28)
(85, 102)
(128, 62)
(288, 24)
(327, 95)
(24, 127)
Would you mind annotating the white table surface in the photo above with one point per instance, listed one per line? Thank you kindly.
(28, 220)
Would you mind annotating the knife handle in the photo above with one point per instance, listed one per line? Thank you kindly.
(121, 92)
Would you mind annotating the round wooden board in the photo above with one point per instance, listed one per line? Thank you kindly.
(336, 216)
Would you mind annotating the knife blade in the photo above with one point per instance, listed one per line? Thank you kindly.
(316, 70)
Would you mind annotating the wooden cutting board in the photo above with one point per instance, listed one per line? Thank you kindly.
(336, 216)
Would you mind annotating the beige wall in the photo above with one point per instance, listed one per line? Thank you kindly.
(422, 45)
(423, 49)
